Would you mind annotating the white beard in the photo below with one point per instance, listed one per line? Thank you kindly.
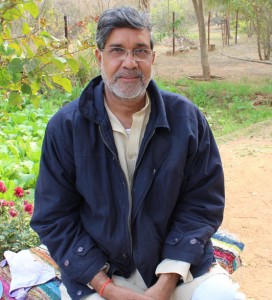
(129, 91)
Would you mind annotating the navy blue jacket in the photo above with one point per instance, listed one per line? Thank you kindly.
(82, 211)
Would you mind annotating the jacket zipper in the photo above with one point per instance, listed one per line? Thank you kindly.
(139, 160)
(129, 197)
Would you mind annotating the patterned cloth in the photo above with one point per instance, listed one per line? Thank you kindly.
(46, 291)
(26, 271)
(227, 250)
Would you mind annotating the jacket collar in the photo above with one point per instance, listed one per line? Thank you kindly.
(91, 103)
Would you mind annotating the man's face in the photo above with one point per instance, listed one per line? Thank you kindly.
(126, 79)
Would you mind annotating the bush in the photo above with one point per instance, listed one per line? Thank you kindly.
(16, 209)
(32, 60)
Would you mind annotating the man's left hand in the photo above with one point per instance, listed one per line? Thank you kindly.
(164, 287)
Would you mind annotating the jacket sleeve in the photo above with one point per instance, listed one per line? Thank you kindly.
(56, 211)
(199, 209)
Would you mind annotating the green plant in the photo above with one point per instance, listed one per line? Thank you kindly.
(32, 61)
(228, 106)
(162, 18)
(15, 214)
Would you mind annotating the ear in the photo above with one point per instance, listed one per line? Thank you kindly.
(153, 56)
(98, 57)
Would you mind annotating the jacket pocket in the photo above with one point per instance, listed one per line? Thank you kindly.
(82, 247)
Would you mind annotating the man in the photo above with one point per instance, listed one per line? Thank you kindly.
(131, 188)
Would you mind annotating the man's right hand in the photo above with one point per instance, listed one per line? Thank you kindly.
(115, 292)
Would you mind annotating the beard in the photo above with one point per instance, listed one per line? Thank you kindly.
(126, 91)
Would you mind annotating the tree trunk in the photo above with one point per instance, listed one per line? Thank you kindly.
(198, 7)
(236, 27)
(262, 25)
(144, 5)
(268, 54)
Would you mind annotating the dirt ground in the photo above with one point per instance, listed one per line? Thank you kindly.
(188, 63)
(247, 160)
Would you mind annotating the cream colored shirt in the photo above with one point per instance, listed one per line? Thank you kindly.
(128, 141)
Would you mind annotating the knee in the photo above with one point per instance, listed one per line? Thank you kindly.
(218, 287)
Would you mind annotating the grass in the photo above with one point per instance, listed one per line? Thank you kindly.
(228, 106)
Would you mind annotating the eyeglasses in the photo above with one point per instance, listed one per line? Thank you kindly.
(118, 53)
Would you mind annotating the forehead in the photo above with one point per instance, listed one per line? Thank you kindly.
(127, 37)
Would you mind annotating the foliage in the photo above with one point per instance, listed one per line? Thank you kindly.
(21, 134)
(15, 216)
(228, 106)
(254, 12)
(33, 60)
(161, 15)
(258, 13)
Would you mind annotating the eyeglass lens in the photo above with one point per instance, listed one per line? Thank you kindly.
(121, 53)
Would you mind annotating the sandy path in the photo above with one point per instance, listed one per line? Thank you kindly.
(247, 159)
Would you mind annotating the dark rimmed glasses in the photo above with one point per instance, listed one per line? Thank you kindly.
(118, 53)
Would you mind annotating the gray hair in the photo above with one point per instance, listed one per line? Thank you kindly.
(122, 17)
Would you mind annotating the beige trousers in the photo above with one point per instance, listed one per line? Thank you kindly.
(217, 280)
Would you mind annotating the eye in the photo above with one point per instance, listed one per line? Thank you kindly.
(116, 50)
(142, 51)
(142, 54)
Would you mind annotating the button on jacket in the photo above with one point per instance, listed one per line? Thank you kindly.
(82, 210)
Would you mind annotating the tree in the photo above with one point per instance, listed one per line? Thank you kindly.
(261, 15)
(162, 18)
(199, 12)
(255, 12)
(31, 58)
(144, 5)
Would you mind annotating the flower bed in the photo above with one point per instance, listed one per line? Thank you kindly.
(16, 209)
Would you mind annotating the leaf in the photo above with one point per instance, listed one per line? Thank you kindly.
(25, 28)
(36, 85)
(38, 41)
(15, 99)
(35, 100)
(30, 65)
(16, 78)
(59, 62)
(73, 64)
(3, 149)
(64, 82)
(32, 8)
(43, 22)
(26, 89)
(5, 77)
(46, 34)
(29, 52)
(16, 65)
(17, 48)
(5, 49)
(12, 14)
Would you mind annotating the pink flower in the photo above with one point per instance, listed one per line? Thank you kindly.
(19, 192)
(13, 213)
(10, 203)
(28, 207)
(3, 188)
(3, 202)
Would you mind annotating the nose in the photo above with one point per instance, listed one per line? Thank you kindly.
(129, 61)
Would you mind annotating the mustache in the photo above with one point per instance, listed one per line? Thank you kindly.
(128, 74)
